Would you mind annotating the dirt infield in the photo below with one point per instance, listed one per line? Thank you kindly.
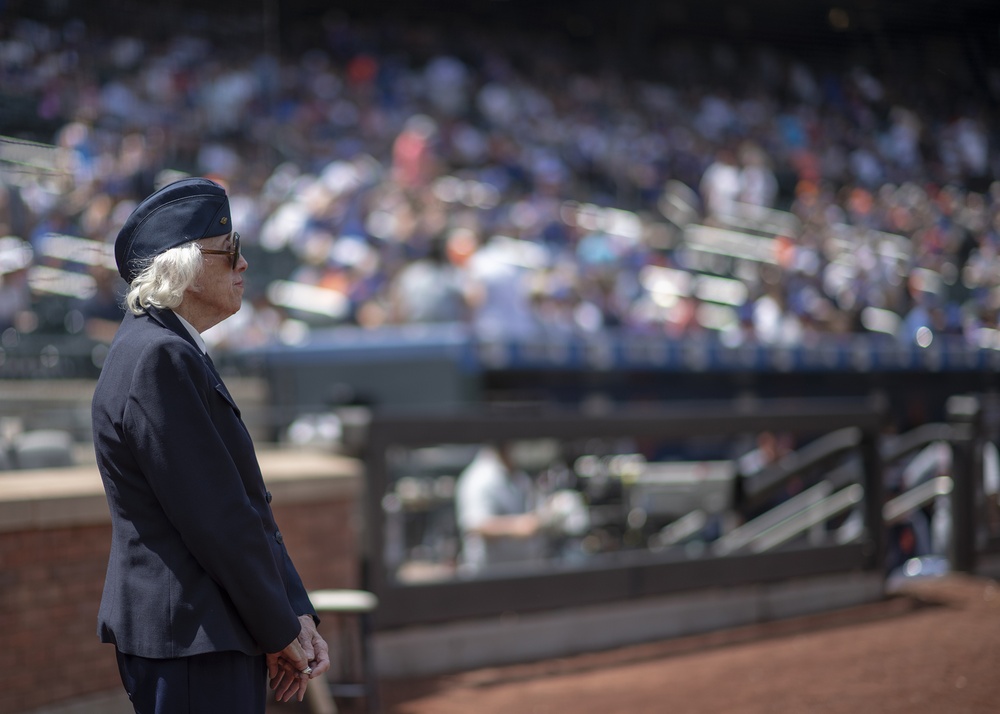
(933, 649)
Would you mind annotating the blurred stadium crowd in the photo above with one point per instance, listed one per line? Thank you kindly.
(408, 174)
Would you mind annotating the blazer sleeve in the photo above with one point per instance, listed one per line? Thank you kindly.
(169, 424)
(297, 594)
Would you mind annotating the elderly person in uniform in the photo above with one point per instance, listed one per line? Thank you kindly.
(201, 599)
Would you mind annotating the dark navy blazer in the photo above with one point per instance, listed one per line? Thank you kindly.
(197, 562)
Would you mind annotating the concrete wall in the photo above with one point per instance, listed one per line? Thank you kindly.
(54, 541)
(515, 638)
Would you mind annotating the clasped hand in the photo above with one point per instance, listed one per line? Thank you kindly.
(305, 657)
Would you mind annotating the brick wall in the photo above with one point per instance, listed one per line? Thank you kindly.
(322, 538)
(52, 575)
(50, 585)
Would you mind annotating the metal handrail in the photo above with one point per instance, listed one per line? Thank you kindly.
(902, 445)
(919, 496)
(830, 507)
(741, 536)
(683, 528)
(757, 488)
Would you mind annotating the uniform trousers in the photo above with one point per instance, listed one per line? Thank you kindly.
(210, 683)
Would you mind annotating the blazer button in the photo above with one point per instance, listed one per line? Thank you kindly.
(278, 537)
(267, 496)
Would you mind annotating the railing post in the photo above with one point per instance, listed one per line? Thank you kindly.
(966, 474)
(875, 538)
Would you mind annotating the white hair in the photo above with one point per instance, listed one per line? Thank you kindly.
(162, 282)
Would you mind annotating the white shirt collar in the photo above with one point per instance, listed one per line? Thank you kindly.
(195, 335)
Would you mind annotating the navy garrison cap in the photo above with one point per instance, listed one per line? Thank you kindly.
(178, 213)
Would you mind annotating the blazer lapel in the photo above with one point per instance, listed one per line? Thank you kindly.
(170, 321)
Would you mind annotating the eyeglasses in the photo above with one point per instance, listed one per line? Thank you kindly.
(235, 252)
